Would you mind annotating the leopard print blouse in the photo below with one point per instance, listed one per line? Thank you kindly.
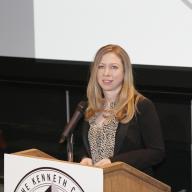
(102, 138)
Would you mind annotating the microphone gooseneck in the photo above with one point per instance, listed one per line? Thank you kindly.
(77, 115)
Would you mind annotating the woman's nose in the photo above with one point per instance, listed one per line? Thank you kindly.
(106, 71)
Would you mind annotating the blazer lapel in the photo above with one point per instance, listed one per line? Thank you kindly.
(85, 137)
(120, 135)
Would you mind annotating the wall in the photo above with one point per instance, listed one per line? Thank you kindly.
(17, 28)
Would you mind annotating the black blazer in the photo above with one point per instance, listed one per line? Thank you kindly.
(138, 143)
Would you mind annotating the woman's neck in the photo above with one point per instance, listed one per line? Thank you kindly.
(109, 98)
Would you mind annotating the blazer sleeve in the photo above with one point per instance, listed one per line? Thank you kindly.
(151, 150)
(81, 143)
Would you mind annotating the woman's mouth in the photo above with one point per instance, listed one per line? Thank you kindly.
(107, 82)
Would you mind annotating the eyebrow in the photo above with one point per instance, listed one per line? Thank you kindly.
(111, 63)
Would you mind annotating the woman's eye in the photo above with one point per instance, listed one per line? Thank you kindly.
(114, 67)
(100, 66)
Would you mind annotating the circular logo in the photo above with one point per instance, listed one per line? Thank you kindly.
(47, 179)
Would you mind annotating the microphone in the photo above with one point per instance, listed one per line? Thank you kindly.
(77, 115)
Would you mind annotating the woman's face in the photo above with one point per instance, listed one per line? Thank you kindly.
(110, 73)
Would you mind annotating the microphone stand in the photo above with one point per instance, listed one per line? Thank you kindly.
(67, 134)
(70, 148)
(70, 137)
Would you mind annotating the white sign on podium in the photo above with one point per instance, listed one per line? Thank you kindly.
(31, 174)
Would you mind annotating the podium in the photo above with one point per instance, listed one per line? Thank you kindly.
(116, 177)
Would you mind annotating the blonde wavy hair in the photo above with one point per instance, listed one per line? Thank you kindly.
(126, 104)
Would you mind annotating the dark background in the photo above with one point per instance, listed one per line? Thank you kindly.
(33, 109)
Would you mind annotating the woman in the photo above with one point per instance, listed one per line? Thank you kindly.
(120, 123)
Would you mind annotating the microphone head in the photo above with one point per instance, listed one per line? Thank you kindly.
(82, 105)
